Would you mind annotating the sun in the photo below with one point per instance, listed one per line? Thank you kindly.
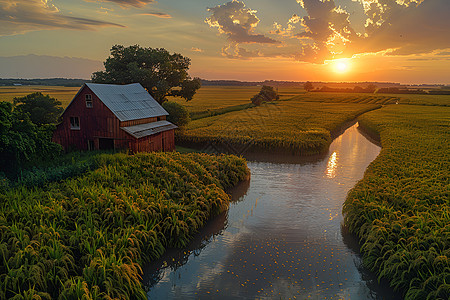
(341, 66)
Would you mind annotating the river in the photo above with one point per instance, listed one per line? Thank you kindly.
(282, 237)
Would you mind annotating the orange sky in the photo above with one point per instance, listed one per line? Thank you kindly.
(405, 41)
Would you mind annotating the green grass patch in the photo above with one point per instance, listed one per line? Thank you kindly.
(87, 237)
(400, 210)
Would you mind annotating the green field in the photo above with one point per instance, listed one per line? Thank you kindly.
(87, 237)
(301, 127)
(384, 99)
(400, 210)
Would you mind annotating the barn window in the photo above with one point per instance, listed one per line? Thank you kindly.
(88, 100)
(74, 123)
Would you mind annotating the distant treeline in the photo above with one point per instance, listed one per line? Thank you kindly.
(387, 90)
(299, 84)
(48, 82)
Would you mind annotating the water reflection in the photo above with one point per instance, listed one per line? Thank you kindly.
(283, 238)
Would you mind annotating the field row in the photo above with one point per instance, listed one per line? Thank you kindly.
(87, 237)
(300, 127)
(400, 210)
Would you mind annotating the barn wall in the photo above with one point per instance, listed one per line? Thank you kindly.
(96, 122)
(141, 121)
(155, 142)
(99, 122)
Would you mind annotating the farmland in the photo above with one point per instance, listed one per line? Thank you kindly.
(63, 94)
(88, 236)
(401, 209)
(299, 127)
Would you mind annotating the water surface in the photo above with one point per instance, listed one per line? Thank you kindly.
(282, 237)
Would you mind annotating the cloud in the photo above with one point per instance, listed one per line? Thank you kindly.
(234, 51)
(195, 49)
(157, 14)
(238, 23)
(407, 26)
(401, 27)
(127, 3)
(18, 17)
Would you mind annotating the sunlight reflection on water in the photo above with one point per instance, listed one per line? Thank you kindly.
(282, 237)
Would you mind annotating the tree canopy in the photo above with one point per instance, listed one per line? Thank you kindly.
(266, 94)
(161, 73)
(41, 109)
(22, 141)
(308, 86)
(178, 114)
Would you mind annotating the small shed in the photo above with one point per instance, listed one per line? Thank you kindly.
(109, 116)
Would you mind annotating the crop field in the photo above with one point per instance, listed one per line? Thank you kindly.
(297, 126)
(63, 94)
(383, 99)
(400, 210)
(87, 237)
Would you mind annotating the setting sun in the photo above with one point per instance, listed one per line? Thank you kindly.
(341, 66)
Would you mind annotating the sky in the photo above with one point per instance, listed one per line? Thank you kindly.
(406, 41)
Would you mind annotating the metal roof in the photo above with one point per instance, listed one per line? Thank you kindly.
(128, 102)
(142, 130)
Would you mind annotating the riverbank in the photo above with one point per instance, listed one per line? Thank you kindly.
(290, 127)
(89, 235)
(400, 210)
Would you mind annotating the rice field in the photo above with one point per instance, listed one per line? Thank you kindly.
(400, 210)
(63, 94)
(87, 237)
(219, 97)
(382, 99)
(299, 127)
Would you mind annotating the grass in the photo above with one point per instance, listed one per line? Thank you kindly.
(88, 236)
(300, 127)
(400, 210)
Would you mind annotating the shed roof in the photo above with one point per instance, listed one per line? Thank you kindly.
(128, 102)
(142, 130)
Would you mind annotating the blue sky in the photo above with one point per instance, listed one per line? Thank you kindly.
(379, 40)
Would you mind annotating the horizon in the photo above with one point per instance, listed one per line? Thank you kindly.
(404, 41)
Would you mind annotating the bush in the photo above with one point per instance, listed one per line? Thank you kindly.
(178, 114)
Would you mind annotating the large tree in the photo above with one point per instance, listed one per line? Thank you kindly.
(161, 73)
(41, 109)
(22, 141)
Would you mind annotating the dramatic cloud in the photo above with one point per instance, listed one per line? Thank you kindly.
(126, 3)
(22, 16)
(157, 14)
(406, 26)
(238, 23)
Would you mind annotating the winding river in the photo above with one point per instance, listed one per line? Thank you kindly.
(282, 236)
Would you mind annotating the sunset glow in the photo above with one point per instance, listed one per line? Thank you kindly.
(405, 41)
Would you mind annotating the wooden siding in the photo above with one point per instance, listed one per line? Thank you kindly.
(99, 122)
(141, 121)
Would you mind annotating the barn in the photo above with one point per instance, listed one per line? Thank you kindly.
(109, 116)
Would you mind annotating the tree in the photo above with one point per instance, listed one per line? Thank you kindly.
(266, 94)
(308, 86)
(22, 141)
(162, 74)
(178, 114)
(41, 109)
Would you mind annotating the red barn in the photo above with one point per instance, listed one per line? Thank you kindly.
(108, 116)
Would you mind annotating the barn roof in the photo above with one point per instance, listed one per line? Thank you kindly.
(128, 102)
(142, 130)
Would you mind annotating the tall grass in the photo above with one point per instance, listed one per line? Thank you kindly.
(86, 237)
(400, 210)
